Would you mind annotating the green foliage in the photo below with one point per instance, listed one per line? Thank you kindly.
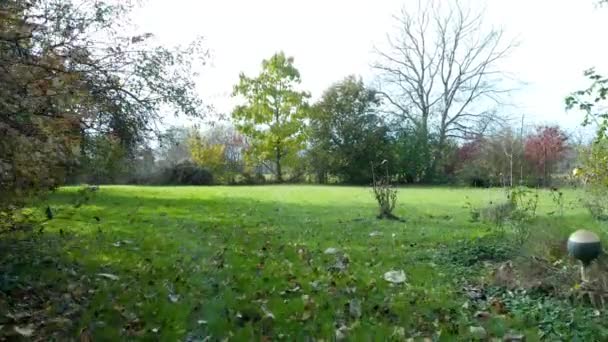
(517, 212)
(384, 192)
(595, 202)
(472, 252)
(17, 219)
(63, 88)
(474, 213)
(590, 102)
(104, 160)
(187, 173)
(594, 173)
(525, 203)
(346, 132)
(173, 147)
(497, 213)
(412, 155)
(558, 199)
(274, 114)
(555, 318)
(206, 154)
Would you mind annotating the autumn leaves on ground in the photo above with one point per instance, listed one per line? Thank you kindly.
(289, 263)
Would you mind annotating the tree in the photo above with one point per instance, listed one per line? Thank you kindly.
(173, 148)
(274, 114)
(69, 75)
(233, 145)
(346, 132)
(544, 149)
(206, 153)
(440, 76)
(592, 102)
(411, 150)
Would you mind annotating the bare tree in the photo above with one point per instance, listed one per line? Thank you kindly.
(439, 73)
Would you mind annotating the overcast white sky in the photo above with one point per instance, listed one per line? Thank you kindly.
(330, 39)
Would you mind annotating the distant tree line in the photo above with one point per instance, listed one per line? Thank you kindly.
(82, 102)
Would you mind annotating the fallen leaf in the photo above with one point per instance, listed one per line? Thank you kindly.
(482, 315)
(18, 315)
(267, 312)
(514, 337)
(173, 298)
(85, 335)
(395, 277)
(340, 265)
(108, 276)
(306, 315)
(399, 333)
(498, 306)
(331, 250)
(26, 331)
(478, 333)
(341, 333)
(354, 308)
(474, 293)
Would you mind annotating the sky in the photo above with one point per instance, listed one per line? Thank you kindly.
(330, 39)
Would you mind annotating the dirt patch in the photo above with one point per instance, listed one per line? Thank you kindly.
(560, 278)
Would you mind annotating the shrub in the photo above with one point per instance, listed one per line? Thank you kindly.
(385, 193)
(517, 212)
(498, 213)
(187, 173)
(595, 202)
(248, 178)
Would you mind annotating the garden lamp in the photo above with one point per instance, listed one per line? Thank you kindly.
(584, 246)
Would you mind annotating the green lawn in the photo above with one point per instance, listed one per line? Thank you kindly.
(249, 263)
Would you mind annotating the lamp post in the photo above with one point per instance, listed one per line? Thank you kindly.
(584, 246)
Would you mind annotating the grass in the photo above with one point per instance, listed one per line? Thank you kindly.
(249, 263)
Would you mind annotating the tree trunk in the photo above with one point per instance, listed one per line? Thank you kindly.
(278, 164)
(278, 146)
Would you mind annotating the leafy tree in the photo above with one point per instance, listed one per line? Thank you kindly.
(233, 145)
(173, 148)
(412, 153)
(207, 154)
(347, 134)
(544, 149)
(69, 74)
(439, 75)
(591, 102)
(595, 159)
(104, 160)
(492, 160)
(274, 113)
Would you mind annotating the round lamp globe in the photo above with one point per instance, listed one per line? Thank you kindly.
(584, 246)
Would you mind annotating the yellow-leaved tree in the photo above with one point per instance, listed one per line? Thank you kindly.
(206, 154)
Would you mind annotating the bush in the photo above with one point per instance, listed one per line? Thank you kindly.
(595, 202)
(252, 179)
(187, 173)
(384, 193)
